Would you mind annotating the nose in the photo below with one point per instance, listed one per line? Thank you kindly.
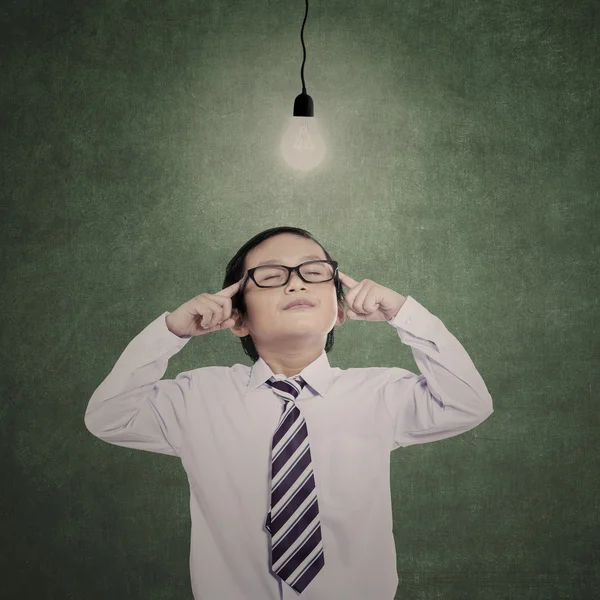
(293, 277)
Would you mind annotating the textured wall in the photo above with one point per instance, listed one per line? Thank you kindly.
(140, 150)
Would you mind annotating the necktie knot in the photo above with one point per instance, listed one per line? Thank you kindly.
(289, 388)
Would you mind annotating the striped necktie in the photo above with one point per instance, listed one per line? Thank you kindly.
(293, 518)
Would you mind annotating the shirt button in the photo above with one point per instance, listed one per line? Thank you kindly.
(408, 320)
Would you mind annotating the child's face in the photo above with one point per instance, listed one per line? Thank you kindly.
(267, 320)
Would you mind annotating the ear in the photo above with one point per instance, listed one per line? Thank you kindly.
(341, 316)
(239, 329)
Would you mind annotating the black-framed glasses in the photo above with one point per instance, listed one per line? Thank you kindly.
(271, 276)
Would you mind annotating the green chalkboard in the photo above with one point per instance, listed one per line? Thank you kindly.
(141, 148)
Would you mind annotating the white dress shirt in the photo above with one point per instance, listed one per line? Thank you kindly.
(220, 422)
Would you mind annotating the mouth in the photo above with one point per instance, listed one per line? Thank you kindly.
(299, 304)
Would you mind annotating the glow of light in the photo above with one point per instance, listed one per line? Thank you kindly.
(302, 145)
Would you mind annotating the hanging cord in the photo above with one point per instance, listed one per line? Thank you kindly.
(303, 49)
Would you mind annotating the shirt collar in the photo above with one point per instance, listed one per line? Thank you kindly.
(318, 375)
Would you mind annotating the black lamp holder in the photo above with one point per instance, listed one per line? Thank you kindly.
(303, 104)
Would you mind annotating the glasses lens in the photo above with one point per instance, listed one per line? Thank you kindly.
(315, 272)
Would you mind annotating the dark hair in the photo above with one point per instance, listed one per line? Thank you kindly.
(235, 271)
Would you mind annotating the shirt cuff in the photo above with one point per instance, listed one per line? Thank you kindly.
(414, 319)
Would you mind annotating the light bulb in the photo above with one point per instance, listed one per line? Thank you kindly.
(302, 146)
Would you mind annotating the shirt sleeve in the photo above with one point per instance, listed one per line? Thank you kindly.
(132, 407)
(448, 398)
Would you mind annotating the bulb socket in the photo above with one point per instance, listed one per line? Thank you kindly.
(303, 106)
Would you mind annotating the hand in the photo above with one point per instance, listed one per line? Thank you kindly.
(370, 301)
(205, 313)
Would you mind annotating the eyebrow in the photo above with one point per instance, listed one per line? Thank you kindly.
(278, 260)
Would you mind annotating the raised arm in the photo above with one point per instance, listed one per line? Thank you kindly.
(133, 407)
(448, 398)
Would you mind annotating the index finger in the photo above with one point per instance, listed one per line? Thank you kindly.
(347, 281)
(231, 290)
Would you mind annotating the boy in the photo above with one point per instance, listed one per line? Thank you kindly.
(288, 460)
